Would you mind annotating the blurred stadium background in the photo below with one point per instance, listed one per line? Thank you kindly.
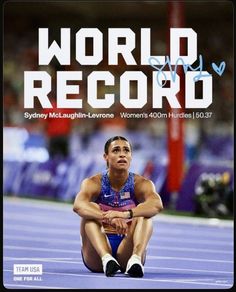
(28, 169)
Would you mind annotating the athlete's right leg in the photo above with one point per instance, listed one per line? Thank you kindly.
(96, 249)
(94, 244)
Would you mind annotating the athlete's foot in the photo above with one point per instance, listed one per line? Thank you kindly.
(110, 265)
(112, 268)
(134, 267)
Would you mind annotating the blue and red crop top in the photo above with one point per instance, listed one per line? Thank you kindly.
(110, 199)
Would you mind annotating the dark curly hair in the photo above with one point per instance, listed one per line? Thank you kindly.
(109, 141)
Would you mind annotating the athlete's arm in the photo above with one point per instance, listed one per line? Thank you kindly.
(83, 204)
(150, 201)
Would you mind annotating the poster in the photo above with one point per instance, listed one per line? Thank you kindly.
(76, 73)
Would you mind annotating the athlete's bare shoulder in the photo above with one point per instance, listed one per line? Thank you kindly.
(139, 179)
(143, 187)
(95, 179)
(92, 184)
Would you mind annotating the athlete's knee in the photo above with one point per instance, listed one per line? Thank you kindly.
(91, 223)
(148, 221)
(148, 224)
(142, 221)
(89, 226)
(144, 226)
(145, 221)
(137, 220)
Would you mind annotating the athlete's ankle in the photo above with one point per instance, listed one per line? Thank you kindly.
(134, 266)
(110, 265)
(136, 256)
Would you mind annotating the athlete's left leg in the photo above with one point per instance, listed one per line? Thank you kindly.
(135, 243)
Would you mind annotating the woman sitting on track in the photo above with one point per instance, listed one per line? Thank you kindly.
(116, 209)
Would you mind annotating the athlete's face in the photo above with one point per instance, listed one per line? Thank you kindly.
(119, 155)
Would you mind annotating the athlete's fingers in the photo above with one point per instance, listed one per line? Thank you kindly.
(119, 229)
(122, 227)
(125, 229)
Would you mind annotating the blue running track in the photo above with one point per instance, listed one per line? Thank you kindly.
(188, 253)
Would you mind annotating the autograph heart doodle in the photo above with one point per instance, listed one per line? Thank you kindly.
(219, 69)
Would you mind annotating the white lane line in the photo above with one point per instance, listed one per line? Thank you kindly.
(41, 258)
(180, 281)
(187, 270)
(36, 229)
(14, 247)
(192, 241)
(67, 207)
(213, 233)
(75, 221)
(80, 262)
(151, 257)
(6, 285)
(46, 240)
(197, 221)
(78, 243)
(37, 204)
(204, 250)
(12, 217)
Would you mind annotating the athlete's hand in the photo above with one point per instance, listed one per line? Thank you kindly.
(120, 225)
(113, 214)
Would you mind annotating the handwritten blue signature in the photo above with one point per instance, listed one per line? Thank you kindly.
(154, 62)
